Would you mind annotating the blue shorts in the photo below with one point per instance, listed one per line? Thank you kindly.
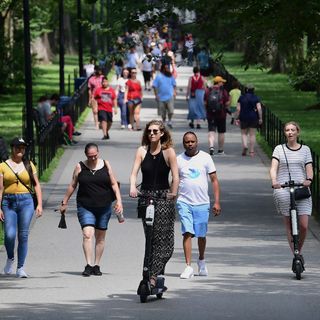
(94, 217)
(194, 219)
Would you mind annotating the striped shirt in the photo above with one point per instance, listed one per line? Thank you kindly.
(297, 161)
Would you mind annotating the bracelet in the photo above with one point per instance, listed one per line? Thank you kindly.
(63, 204)
(310, 179)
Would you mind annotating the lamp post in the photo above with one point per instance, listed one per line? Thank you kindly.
(28, 80)
(61, 48)
(80, 48)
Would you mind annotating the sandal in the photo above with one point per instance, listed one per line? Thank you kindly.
(251, 154)
(244, 151)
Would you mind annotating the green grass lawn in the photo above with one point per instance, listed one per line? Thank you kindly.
(45, 83)
(276, 93)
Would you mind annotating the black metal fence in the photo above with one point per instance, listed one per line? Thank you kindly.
(272, 131)
(48, 138)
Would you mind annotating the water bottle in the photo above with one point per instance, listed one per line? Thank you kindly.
(120, 217)
(150, 214)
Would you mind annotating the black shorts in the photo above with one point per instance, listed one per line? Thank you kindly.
(217, 125)
(105, 116)
(146, 76)
(205, 72)
(249, 124)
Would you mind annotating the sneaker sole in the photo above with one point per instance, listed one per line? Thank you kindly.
(188, 277)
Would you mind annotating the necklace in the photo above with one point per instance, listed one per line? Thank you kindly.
(93, 171)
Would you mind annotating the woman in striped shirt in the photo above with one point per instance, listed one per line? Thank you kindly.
(301, 171)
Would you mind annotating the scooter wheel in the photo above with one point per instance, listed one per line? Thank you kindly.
(159, 295)
(143, 298)
(299, 270)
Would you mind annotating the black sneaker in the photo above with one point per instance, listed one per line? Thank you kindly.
(88, 271)
(77, 133)
(211, 151)
(96, 271)
(198, 126)
(191, 125)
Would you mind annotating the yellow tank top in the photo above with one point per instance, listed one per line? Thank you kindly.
(11, 184)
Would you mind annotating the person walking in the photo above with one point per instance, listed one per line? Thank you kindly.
(95, 82)
(193, 203)
(157, 159)
(203, 62)
(18, 177)
(217, 102)
(121, 89)
(164, 86)
(133, 99)
(235, 94)
(107, 103)
(98, 187)
(195, 97)
(297, 158)
(250, 117)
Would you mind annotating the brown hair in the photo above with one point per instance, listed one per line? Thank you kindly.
(166, 139)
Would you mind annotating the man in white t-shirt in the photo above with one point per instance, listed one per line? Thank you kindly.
(193, 202)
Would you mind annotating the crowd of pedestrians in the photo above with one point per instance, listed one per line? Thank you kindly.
(187, 191)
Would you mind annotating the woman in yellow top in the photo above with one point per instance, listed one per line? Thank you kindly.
(17, 208)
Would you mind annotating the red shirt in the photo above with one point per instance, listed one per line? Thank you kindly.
(134, 90)
(196, 83)
(105, 98)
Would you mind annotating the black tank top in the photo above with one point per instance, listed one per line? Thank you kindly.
(155, 172)
(94, 187)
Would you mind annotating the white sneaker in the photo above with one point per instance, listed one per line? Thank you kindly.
(187, 273)
(8, 268)
(123, 126)
(21, 273)
(203, 271)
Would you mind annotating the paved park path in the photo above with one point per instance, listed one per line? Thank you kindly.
(247, 254)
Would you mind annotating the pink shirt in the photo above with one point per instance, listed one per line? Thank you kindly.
(94, 83)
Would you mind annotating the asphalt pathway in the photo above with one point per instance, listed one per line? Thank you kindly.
(247, 254)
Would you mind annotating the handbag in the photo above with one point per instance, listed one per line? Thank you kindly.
(33, 194)
(299, 193)
(302, 193)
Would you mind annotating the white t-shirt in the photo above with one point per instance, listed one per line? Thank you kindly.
(193, 174)
(122, 84)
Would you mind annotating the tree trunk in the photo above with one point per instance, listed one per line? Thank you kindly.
(2, 52)
(68, 38)
(279, 63)
(41, 47)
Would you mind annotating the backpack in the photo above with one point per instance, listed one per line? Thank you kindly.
(215, 100)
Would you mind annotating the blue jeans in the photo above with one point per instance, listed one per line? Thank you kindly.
(123, 107)
(18, 210)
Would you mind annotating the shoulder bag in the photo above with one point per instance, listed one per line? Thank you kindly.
(33, 194)
(299, 193)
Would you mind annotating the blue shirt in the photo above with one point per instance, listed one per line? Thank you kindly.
(203, 59)
(164, 86)
(248, 107)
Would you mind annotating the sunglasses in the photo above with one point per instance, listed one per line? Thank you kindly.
(153, 131)
(95, 156)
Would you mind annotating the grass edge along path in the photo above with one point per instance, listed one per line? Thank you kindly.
(277, 94)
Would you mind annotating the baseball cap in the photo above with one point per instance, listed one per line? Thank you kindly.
(218, 79)
(15, 142)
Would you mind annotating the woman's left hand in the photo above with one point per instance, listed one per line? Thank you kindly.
(307, 183)
(118, 207)
(39, 211)
(171, 196)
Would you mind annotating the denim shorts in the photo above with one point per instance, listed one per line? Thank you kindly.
(194, 219)
(94, 217)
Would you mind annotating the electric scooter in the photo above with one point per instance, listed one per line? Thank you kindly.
(297, 262)
(145, 288)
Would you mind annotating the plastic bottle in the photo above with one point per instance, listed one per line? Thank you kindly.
(120, 217)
